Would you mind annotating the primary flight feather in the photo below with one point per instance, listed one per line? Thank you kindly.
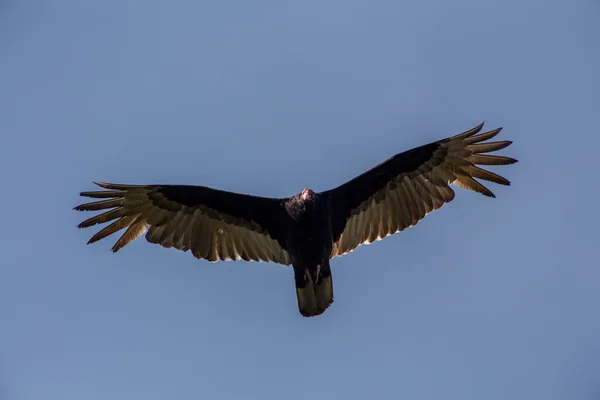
(305, 230)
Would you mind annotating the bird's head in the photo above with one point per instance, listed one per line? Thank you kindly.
(307, 196)
(301, 203)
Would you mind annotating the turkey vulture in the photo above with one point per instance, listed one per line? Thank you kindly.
(305, 230)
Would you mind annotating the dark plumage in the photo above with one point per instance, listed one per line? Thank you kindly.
(305, 230)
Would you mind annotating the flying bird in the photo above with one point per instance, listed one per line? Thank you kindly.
(308, 229)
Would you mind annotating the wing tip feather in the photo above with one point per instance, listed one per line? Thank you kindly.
(509, 160)
(104, 185)
(466, 134)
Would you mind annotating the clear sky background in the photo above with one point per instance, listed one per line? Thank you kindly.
(484, 299)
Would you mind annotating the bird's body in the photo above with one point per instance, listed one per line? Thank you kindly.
(305, 230)
(310, 243)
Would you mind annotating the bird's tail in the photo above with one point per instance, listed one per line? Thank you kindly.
(314, 290)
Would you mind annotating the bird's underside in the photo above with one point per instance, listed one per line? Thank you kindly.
(305, 230)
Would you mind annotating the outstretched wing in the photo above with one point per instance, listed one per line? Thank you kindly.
(399, 192)
(213, 224)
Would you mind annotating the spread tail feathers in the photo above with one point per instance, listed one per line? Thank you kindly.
(314, 298)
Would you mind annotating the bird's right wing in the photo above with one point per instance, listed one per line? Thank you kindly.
(399, 192)
(213, 224)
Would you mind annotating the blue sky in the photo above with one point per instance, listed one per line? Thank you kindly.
(484, 299)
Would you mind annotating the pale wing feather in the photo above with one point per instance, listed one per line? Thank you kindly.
(409, 197)
(201, 230)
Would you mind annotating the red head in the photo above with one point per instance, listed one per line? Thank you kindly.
(307, 195)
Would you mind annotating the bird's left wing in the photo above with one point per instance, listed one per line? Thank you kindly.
(399, 192)
(213, 224)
